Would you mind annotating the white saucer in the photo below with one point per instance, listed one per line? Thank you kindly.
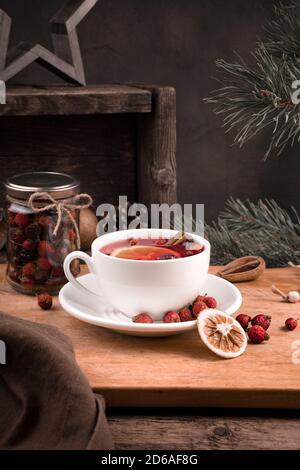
(83, 307)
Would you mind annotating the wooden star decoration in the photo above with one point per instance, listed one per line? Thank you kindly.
(65, 61)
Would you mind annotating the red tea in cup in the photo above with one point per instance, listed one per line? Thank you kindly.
(149, 249)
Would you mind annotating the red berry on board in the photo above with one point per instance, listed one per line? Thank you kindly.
(257, 334)
(198, 307)
(28, 269)
(210, 302)
(185, 315)
(171, 317)
(262, 320)
(243, 320)
(22, 220)
(142, 318)
(45, 301)
(291, 324)
(29, 245)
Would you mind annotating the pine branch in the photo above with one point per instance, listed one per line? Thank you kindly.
(253, 99)
(262, 229)
(283, 31)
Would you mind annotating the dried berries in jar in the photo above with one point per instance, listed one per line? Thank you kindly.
(39, 240)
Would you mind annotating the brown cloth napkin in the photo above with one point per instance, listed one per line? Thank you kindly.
(45, 401)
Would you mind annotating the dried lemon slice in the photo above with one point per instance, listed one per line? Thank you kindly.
(221, 333)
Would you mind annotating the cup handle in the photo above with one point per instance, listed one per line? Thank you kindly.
(67, 263)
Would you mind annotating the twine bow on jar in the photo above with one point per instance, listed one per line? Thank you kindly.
(42, 201)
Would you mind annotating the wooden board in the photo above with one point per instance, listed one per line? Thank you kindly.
(36, 101)
(179, 371)
(185, 431)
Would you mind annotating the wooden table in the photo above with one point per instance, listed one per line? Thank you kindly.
(155, 388)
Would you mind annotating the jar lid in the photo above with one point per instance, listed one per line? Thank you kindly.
(58, 185)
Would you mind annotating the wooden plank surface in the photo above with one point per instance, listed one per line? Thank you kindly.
(157, 149)
(190, 432)
(179, 371)
(101, 99)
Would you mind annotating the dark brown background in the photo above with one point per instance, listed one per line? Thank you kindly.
(175, 42)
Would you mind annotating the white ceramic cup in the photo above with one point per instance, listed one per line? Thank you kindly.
(135, 286)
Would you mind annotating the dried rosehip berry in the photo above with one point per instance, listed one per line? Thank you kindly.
(243, 320)
(28, 269)
(210, 302)
(22, 220)
(257, 334)
(25, 256)
(32, 231)
(44, 264)
(142, 318)
(17, 235)
(171, 317)
(198, 307)
(41, 276)
(291, 324)
(27, 282)
(14, 249)
(57, 272)
(45, 221)
(29, 245)
(45, 301)
(262, 320)
(185, 315)
(45, 250)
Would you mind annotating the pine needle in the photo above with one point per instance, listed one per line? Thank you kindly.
(262, 229)
(252, 99)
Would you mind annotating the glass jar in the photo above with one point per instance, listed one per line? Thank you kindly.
(37, 242)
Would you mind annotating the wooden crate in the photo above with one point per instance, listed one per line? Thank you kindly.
(117, 139)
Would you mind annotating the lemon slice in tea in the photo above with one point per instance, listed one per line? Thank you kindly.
(221, 333)
(144, 252)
